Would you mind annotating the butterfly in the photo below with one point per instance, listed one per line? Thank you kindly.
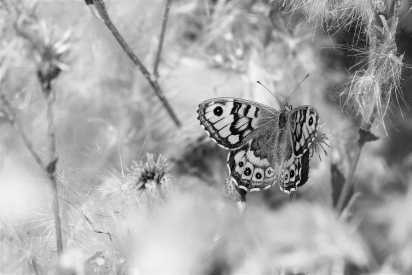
(266, 146)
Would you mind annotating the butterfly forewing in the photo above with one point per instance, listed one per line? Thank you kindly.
(305, 123)
(230, 122)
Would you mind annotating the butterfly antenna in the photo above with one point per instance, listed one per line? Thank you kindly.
(268, 90)
(298, 86)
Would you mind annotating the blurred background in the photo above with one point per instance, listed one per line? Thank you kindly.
(125, 211)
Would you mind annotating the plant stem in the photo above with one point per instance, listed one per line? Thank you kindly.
(51, 168)
(349, 184)
(367, 124)
(152, 79)
(161, 39)
(347, 214)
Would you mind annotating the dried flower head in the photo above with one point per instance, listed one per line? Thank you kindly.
(319, 143)
(44, 44)
(144, 174)
(142, 189)
(150, 179)
(370, 90)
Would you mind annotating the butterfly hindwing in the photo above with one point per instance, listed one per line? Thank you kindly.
(230, 122)
(251, 172)
(296, 174)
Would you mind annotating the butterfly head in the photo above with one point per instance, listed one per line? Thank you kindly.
(286, 107)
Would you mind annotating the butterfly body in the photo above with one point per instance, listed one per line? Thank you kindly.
(266, 146)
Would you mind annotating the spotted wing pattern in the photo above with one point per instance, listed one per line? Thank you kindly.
(232, 122)
(251, 171)
(295, 175)
(305, 123)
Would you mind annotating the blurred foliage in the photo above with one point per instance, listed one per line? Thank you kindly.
(125, 211)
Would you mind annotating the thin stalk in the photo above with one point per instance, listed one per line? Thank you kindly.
(51, 169)
(349, 183)
(367, 124)
(347, 214)
(152, 79)
(161, 39)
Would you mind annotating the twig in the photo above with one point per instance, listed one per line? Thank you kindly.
(348, 185)
(51, 167)
(367, 124)
(152, 79)
(161, 39)
(15, 123)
